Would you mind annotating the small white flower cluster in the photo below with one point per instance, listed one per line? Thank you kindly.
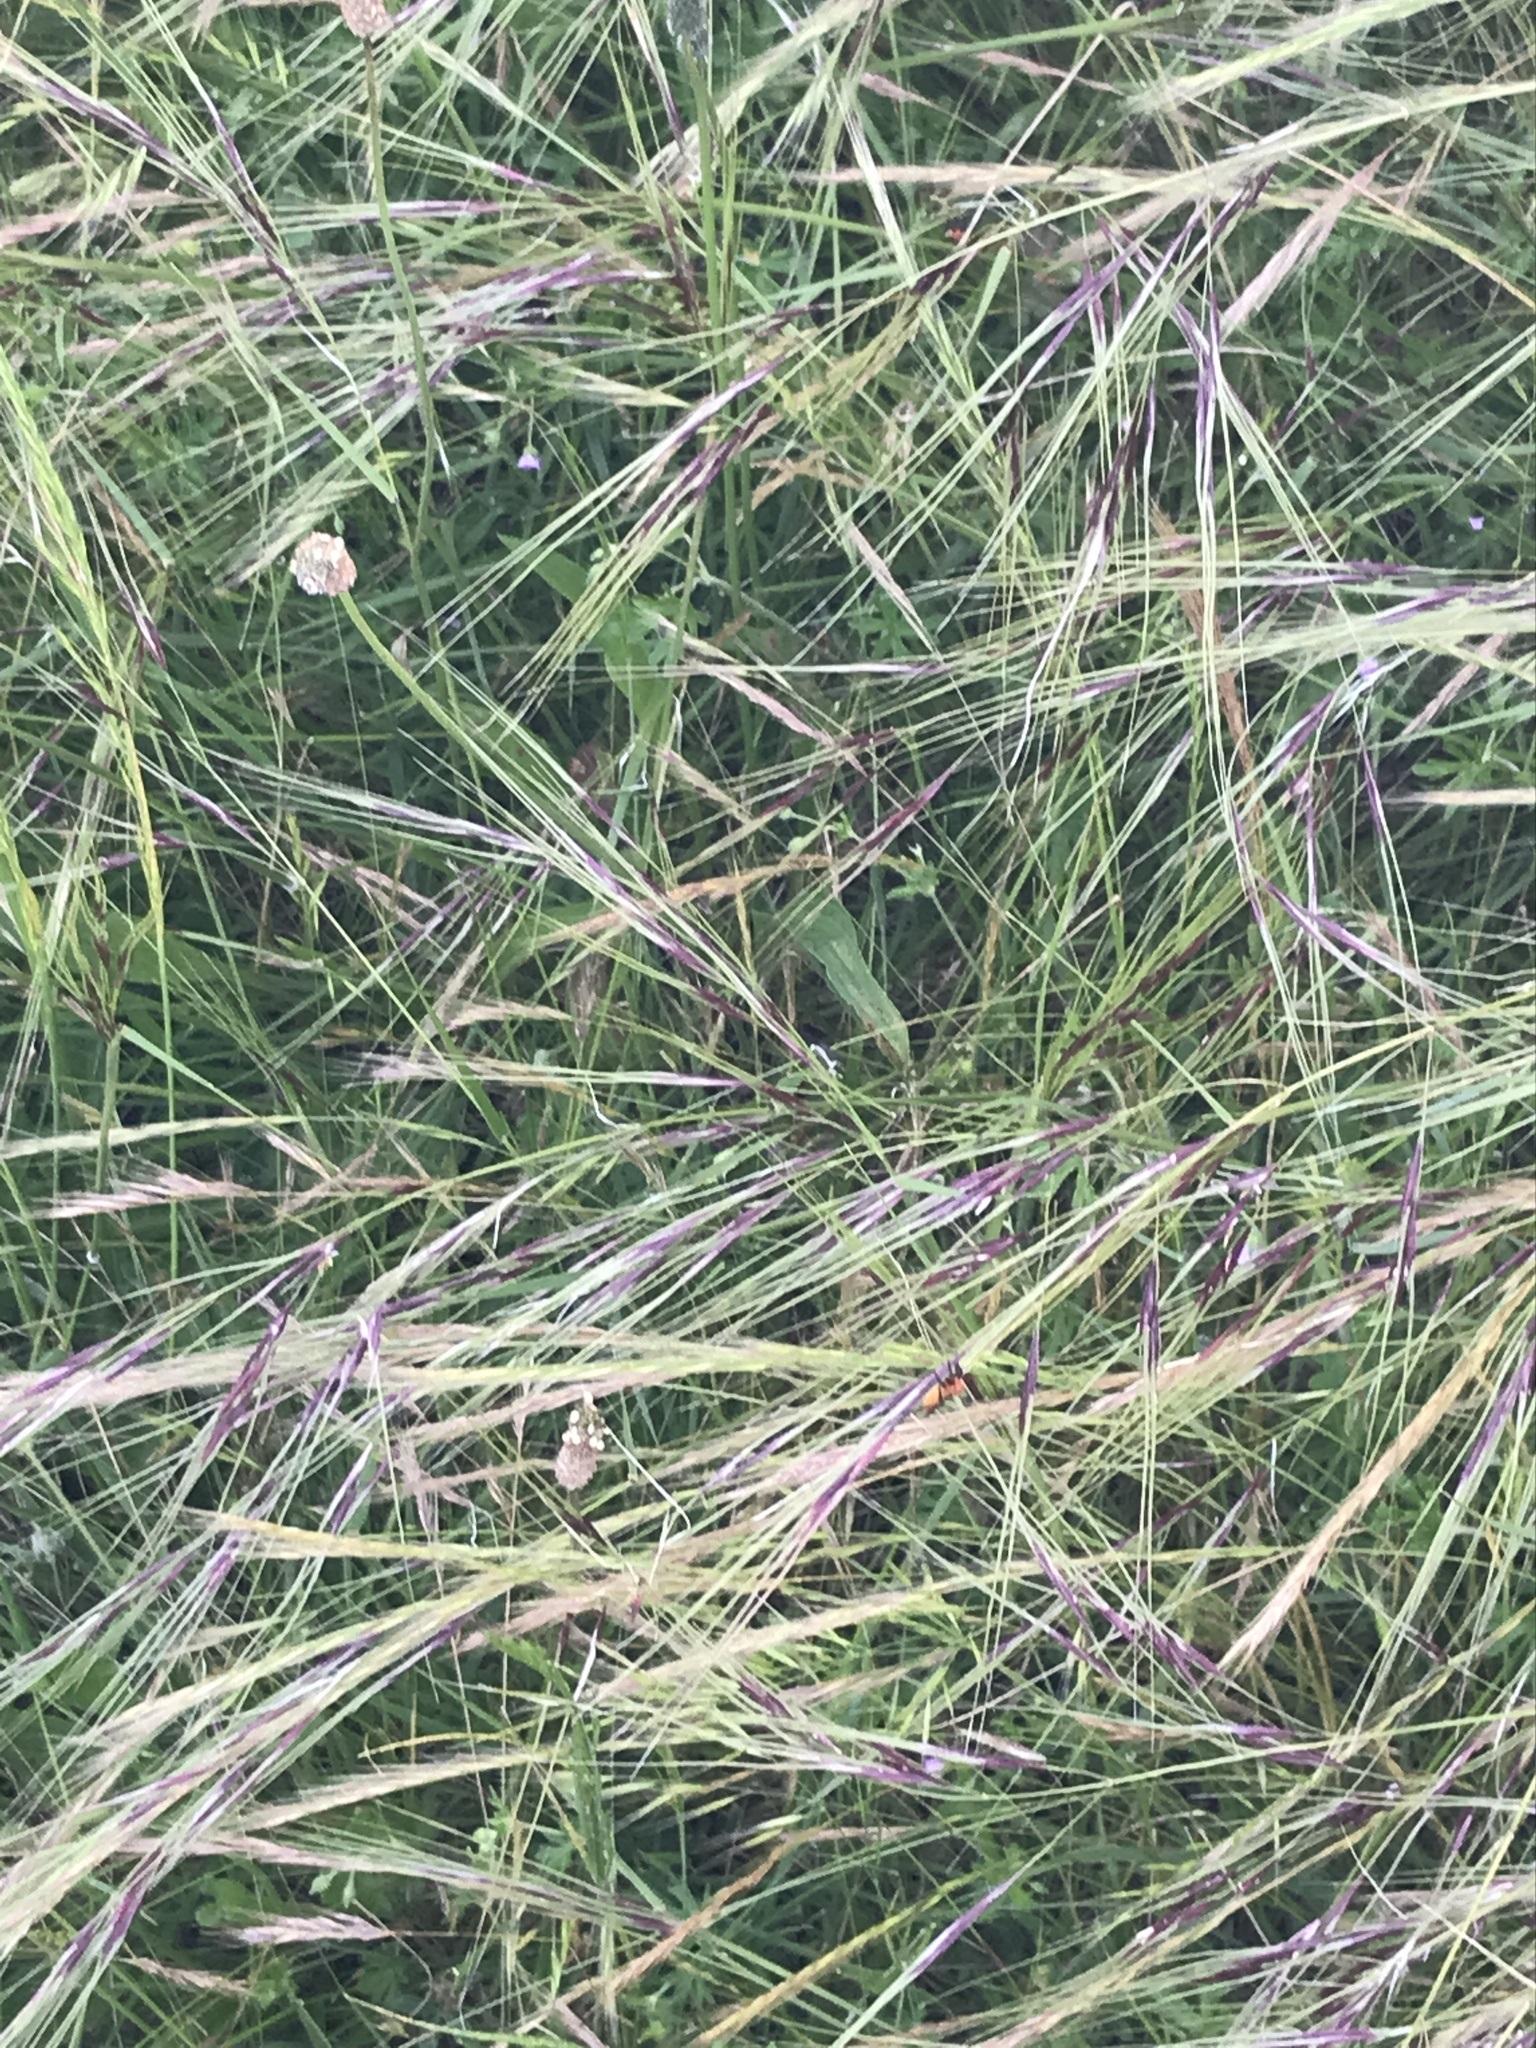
(322, 567)
(366, 18)
(580, 1447)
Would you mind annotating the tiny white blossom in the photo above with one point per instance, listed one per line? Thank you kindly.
(366, 18)
(580, 1447)
(322, 567)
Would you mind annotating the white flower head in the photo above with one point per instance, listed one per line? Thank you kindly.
(366, 18)
(580, 1447)
(322, 567)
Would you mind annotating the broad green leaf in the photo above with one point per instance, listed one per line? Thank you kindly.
(832, 940)
(630, 654)
(566, 578)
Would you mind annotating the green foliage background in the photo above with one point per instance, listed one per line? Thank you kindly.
(927, 774)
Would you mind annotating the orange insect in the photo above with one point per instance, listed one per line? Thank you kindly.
(946, 1390)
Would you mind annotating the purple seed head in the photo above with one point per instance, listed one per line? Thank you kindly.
(1151, 1319)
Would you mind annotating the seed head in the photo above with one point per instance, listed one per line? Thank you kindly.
(366, 18)
(580, 1447)
(322, 567)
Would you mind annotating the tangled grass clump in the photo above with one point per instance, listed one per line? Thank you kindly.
(768, 1228)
